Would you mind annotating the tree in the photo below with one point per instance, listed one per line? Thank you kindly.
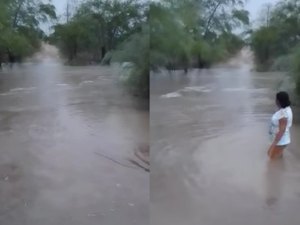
(264, 45)
(280, 34)
(276, 42)
(265, 15)
(20, 26)
(136, 51)
(194, 32)
(104, 24)
(169, 41)
(104, 30)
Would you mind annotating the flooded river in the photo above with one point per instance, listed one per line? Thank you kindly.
(62, 130)
(209, 140)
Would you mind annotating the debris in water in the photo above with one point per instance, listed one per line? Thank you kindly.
(143, 153)
(139, 165)
(115, 161)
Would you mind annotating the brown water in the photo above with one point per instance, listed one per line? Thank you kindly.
(209, 137)
(56, 123)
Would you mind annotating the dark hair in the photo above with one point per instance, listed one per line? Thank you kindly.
(283, 99)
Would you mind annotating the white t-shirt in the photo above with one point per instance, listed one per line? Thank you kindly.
(274, 128)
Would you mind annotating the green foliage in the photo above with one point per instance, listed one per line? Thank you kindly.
(279, 34)
(264, 45)
(276, 43)
(15, 43)
(296, 68)
(242, 16)
(105, 30)
(282, 63)
(136, 50)
(179, 34)
(169, 40)
(193, 32)
(98, 27)
(70, 35)
(19, 26)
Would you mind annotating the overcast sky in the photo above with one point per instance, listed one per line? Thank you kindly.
(60, 5)
(253, 6)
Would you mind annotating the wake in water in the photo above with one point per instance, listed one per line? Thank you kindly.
(47, 53)
(244, 59)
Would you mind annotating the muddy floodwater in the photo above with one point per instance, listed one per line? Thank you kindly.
(61, 130)
(209, 138)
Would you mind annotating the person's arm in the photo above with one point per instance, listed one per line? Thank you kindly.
(282, 127)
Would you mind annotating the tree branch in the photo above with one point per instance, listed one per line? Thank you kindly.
(15, 20)
(211, 17)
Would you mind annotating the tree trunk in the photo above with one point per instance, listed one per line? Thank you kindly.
(103, 52)
(211, 17)
(68, 11)
(185, 69)
(16, 16)
(11, 59)
(200, 62)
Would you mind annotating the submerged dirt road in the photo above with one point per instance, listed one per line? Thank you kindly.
(209, 137)
(59, 129)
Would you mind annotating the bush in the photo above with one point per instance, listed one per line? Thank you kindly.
(282, 63)
(296, 69)
(263, 45)
(136, 51)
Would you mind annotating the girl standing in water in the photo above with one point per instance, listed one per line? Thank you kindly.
(281, 122)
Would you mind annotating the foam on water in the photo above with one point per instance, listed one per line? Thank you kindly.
(87, 82)
(62, 85)
(22, 89)
(197, 89)
(179, 93)
(172, 95)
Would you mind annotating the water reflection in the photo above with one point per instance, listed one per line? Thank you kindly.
(216, 120)
(53, 118)
(274, 181)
